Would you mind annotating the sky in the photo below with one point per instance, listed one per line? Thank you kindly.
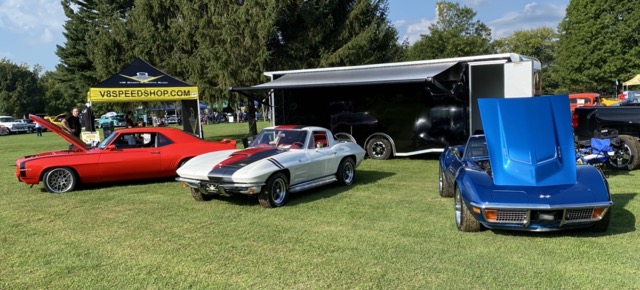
(31, 29)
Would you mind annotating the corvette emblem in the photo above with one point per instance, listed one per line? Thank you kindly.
(545, 196)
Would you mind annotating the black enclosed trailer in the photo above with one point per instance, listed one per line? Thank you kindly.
(399, 109)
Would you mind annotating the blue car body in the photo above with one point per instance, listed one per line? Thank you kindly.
(521, 173)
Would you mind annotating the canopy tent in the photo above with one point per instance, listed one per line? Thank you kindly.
(632, 82)
(141, 82)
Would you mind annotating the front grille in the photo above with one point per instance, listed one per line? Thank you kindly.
(515, 216)
(579, 214)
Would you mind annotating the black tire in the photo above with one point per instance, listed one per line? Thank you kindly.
(379, 149)
(346, 171)
(464, 219)
(603, 224)
(59, 180)
(444, 186)
(275, 192)
(199, 196)
(627, 157)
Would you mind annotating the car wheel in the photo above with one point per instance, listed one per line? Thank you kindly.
(199, 196)
(59, 180)
(627, 157)
(346, 171)
(603, 224)
(379, 148)
(464, 219)
(274, 193)
(444, 187)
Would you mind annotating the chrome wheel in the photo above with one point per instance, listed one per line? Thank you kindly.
(278, 191)
(274, 193)
(346, 171)
(458, 208)
(59, 180)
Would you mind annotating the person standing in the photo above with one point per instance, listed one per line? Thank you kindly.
(72, 123)
(128, 120)
(38, 129)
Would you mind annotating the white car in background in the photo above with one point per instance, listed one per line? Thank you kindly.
(12, 125)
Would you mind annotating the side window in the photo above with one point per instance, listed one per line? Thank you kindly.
(319, 140)
(163, 141)
(148, 140)
(126, 141)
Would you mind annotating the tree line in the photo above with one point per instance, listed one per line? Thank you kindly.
(217, 44)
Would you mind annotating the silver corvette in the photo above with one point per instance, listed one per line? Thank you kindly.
(280, 160)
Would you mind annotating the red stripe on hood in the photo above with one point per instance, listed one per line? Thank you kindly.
(241, 155)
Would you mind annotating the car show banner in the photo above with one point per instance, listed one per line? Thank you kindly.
(141, 82)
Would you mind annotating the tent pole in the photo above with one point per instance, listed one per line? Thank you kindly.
(199, 119)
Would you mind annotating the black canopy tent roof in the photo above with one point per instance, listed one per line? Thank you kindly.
(142, 82)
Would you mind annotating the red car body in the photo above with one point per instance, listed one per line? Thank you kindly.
(126, 154)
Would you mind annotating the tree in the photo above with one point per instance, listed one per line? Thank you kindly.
(20, 89)
(598, 44)
(321, 33)
(454, 34)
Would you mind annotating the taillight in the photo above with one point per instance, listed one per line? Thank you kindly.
(574, 120)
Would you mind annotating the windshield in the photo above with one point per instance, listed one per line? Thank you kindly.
(106, 141)
(476, 148)
(280, 138)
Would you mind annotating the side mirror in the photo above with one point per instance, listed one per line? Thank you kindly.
(111, 148)
(454, 151)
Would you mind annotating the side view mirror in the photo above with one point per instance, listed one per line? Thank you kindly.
(111, 148)
(454, 151)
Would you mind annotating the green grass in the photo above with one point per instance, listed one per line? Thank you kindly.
(390, 230)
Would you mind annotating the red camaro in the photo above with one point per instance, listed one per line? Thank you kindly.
(126, 154)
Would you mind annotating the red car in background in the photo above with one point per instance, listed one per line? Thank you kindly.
(126, 154)
(584, 99)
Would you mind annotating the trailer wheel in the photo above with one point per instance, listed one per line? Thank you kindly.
(379, 148)
(628, 156)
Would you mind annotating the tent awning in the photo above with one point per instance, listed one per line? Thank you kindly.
(351, 77)
(633, 82)
(141, 82)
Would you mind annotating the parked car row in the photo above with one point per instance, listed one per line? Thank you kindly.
(518, 174)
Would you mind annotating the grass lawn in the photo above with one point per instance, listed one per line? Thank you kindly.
(390, 230)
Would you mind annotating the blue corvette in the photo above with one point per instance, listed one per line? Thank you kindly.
(521, 173)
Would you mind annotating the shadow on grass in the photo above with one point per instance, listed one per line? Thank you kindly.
(311, 195)
(327, 191)
(622, 221)
(107, 185)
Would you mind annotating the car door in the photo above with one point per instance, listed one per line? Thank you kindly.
(323, 157)
(127, 159)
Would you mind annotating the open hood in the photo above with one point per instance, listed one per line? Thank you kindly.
(530, 140)
(64, 134)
